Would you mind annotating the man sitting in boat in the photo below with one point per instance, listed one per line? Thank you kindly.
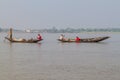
(39, 37)
(61, 37)
(77, 38)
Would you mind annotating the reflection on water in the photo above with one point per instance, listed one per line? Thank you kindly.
(53, 60)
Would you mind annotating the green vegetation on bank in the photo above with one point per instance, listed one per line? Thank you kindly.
(68, 30)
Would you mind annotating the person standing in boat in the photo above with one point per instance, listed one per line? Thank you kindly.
(10, 33)
(77, 38)
(39, 37)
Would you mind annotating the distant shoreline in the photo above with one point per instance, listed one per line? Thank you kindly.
(66, 30)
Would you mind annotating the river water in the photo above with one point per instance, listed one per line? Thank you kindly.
(53, 60)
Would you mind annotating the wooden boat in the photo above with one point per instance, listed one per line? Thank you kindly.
(85, 40)
(21, 40)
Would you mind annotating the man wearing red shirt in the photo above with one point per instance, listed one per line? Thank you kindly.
(77, 38)
(39, 37)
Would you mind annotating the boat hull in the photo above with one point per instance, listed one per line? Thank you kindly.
(86, 40)
(23, 41)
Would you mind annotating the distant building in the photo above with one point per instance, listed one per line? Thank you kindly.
(28, 30)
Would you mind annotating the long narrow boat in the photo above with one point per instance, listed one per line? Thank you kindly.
(21, 40)
(86, 40)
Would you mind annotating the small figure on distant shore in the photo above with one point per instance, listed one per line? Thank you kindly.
(39, 37)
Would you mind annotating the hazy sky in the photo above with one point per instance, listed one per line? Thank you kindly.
(37, 14)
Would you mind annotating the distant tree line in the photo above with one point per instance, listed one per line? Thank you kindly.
(78, 30)
(69, 30)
